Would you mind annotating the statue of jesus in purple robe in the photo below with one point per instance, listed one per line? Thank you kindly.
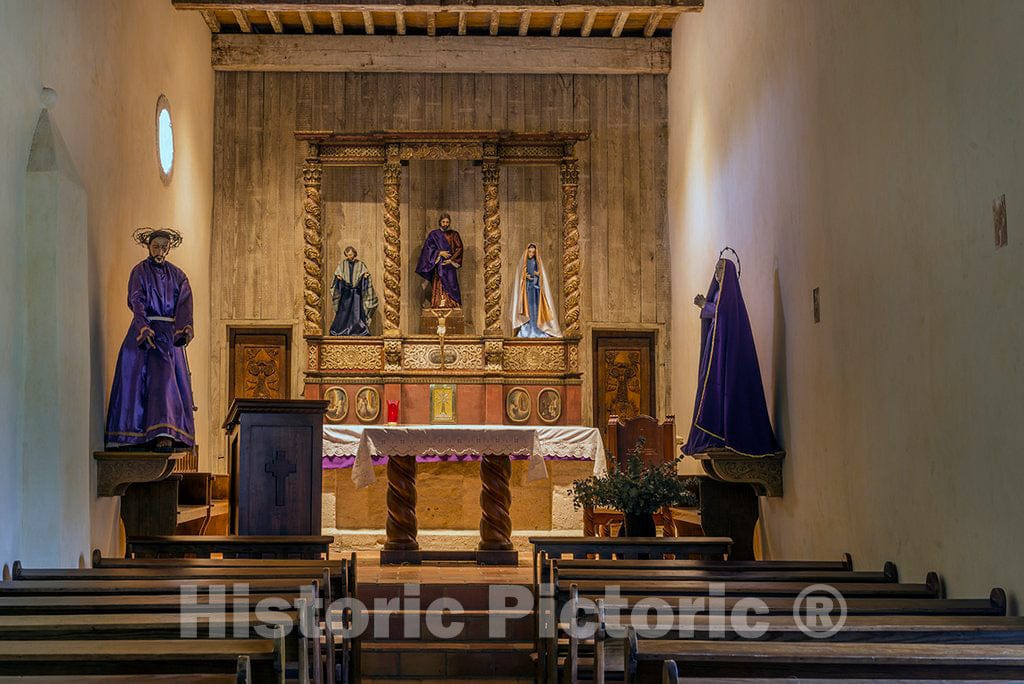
(439, 263)
(151, 399)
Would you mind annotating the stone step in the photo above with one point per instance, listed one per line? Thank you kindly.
(447, 660)
(427, 626)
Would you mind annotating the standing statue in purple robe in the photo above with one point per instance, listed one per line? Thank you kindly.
(353, 296)
(439, 263)
(151, 400)
(729, 411)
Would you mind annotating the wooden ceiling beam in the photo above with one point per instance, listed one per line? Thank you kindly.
(495, 23)
(337, 23)
(588, 23)
(652, 23)
(400, 23)
(243, 21)
(368, 22)
(452, 54)
(620, 23)
(556, 24)
(211, 20)
(524, 23)
(435, 5)
(462, 23)
(432, 24)
(307, 23)
(275, 21)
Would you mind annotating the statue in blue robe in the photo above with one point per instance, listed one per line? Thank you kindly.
(729, 410)
(151, 398)
(353, 296)
(533, 311)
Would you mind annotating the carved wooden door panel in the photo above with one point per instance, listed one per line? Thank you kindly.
(259, 364)
(624, 382)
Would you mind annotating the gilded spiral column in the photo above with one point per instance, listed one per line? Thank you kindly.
(570, 176)
(312, 233)
(492, 250)
(495, 501)
(392, 246)
(401, 524)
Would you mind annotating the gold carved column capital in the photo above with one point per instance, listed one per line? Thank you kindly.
(392, 244)
(491, 175)
(393, 355)
(313, 239)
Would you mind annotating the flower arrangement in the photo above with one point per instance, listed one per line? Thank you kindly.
(636, 489)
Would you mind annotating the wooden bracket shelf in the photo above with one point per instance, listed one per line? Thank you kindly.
(764, 473)
(115, 470)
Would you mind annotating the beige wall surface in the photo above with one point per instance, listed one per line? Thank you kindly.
(857, 147)
(108, 60)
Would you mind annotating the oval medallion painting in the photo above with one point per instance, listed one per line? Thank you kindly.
(337, 410)
(367, 405)
(517, 405)
(549, 405)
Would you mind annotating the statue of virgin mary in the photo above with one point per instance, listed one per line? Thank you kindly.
(533, 311)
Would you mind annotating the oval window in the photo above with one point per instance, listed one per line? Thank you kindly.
(164, 139)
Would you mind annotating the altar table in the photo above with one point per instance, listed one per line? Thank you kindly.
(401, 446)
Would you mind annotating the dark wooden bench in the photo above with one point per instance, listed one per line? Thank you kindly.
(307, 547)
(846, 563)
(627, 548)
(73, 658)
(708, 659)
(335, 577)
(561, 572)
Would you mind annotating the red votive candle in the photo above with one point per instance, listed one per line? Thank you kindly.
(392, 411)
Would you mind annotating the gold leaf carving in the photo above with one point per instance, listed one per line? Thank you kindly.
(350, 357)
(534, 358)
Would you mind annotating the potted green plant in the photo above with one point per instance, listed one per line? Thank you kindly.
(637, 490)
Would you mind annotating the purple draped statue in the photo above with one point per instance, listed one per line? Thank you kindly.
(729, 410)
(151, 400)
(439, 263)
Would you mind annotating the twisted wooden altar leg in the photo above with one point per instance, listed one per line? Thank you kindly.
(401, 524)
(495, 500)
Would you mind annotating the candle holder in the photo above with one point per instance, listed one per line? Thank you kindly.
(392, 413)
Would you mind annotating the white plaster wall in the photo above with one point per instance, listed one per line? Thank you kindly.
(108, 60)
(857, 146)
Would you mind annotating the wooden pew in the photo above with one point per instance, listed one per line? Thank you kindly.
(74, 658)
(709, 659)
(629, 547)
(337, 573)
(778, 625)
(845, 563)
(562, 571)
(293, 546)
(165, 588)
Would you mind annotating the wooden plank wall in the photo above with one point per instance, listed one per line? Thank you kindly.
(257, 234)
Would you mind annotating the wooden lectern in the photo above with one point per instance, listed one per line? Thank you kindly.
(275, 449)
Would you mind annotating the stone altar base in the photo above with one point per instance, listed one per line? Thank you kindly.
(449, 498)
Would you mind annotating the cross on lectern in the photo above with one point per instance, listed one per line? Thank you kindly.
(281, 468)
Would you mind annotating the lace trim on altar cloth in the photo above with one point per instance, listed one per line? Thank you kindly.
(341, 458)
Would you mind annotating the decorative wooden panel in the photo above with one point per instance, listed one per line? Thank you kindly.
(624, 383)
(260, 364)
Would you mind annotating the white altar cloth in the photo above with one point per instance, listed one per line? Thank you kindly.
(369, 443)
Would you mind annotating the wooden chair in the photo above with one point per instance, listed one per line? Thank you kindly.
(620, 439)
